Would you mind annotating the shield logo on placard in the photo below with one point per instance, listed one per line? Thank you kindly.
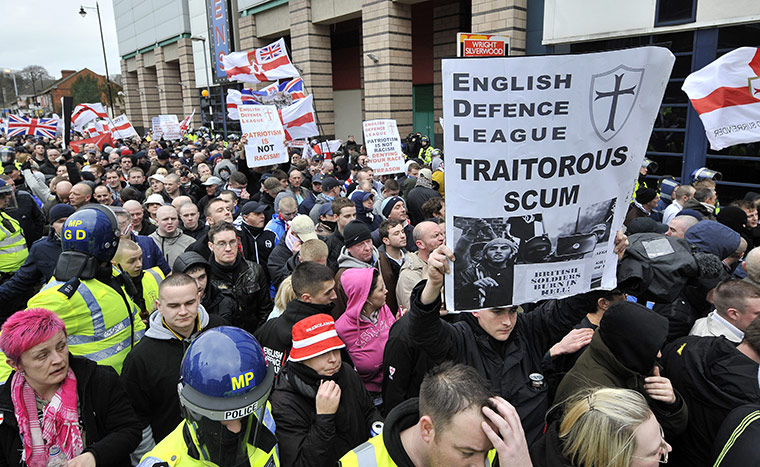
(612, 98)
(754, 87)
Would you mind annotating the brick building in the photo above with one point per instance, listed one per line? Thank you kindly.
(361, 59)
(49, 99)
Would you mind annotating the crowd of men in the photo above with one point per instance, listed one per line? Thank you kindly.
(322, 249)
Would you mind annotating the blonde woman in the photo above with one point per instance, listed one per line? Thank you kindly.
(603, 428)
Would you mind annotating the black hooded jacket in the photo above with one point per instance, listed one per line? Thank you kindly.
(214, 301)
(714, 378)
(622, 353)
(506, 364)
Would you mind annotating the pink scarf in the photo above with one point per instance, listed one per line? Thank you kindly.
(60, 420)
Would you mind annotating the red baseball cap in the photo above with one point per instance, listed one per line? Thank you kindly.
(314, 336)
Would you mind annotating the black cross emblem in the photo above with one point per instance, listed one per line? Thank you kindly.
(614, 94)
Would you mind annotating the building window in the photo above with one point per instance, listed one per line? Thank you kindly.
(675, 12)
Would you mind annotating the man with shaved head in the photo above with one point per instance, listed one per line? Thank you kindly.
(61, 190)
(80, 194)
(168, 236)
(140, 224)
(679, 225)
(427, 236)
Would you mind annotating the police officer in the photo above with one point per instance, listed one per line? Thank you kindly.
(13, 251)
(102, 322)
(224, 387)
(426, 150)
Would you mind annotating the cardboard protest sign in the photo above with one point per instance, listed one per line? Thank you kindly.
(542, 156)
(158, 131)
(383, 146)
(266, 138)
(170, 127)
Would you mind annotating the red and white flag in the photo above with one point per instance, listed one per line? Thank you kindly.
(85, 113)
(97, 128)
(726, 95)
(298, 119)
(122, 129)
(184, 125)
(234, 99)
(268, 63)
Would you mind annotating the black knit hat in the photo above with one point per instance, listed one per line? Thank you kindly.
(645, 195)
(634, 334)
(355, 232)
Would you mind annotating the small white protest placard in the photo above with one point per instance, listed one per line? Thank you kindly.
(262, 126)
(383, 146)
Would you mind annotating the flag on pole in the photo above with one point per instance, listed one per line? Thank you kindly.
(100, 141)
(299, 120)
(184, 125)
(122, 128)
(97, 128)
(293, 87)
(85, 113)
(726, 95)
(264, 64)
(234, 99)
(19, 125)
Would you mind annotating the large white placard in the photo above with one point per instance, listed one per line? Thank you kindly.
(170, 127)
(542, 154)
(383, 146)
(266, 138)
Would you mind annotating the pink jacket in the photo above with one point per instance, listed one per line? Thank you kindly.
(364, 341)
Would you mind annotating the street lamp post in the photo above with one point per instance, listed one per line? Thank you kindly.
(83, 13)
(206, 64)
(8, 71)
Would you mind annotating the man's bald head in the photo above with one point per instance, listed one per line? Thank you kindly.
(80, 195)
(168, 220)
(752, 265)
(427, 236)
(679, 225)
(62, 190)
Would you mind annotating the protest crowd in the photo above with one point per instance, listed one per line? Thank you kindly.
(337, 274)
(167, 302)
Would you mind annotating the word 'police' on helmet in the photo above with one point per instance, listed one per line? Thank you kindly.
(224, 375)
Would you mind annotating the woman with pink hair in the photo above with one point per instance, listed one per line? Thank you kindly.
(55, 405)
(365, 325)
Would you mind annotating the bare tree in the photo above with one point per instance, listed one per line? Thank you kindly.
(35, 74)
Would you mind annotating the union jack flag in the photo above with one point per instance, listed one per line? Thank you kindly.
(294, 87)
(270, 52)
(45, 127)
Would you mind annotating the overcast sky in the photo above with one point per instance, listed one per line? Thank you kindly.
(50, 33)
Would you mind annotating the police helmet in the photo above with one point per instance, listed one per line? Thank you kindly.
(425, 139)
(93, 230)
(224, 375)
(224, 380)
(436, 153)
(232, 137)
(703, 173)
(5, 188)
(7, 154)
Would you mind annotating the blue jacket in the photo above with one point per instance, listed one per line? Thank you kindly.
(307, 204)
(278, 226)
(39, 267)
(151, 254)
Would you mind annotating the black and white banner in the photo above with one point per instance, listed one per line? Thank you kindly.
(542, 154)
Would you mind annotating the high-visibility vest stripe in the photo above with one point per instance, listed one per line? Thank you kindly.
(13, 251)
(114, 349)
